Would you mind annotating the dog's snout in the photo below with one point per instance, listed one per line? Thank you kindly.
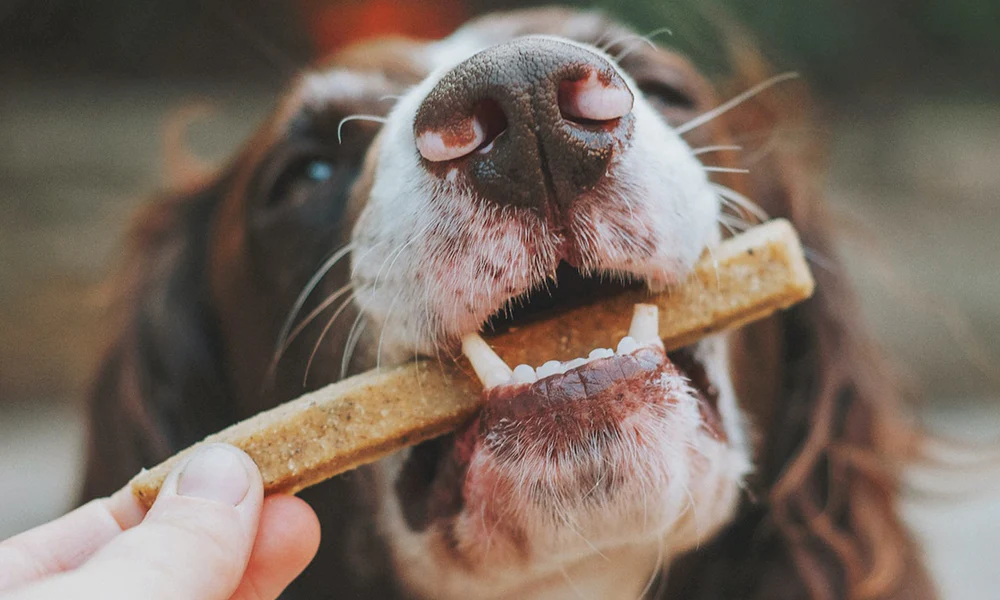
(531, 122)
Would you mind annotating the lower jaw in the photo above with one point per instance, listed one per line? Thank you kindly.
(530, 429)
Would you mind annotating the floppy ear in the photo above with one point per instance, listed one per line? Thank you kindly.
(160, 387)
(821, 522)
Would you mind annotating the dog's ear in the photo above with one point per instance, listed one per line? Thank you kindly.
(161, 386)
(821, 521)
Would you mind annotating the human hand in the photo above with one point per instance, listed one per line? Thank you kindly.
(210, 535)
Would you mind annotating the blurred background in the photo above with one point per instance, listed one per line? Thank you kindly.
(906, 97)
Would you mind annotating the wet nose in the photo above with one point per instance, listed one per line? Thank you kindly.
(531, 123)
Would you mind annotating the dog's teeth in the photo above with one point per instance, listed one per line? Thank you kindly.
(626, 345)
(576, 362)
(524, 374)
(645, 327)
(497, 377)
(600, 353)
(550, 368)
(490, 368)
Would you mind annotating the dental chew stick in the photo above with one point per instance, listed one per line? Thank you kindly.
(368, 416)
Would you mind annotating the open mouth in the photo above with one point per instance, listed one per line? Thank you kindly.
(571, 288)
(635, 357)
(560, 405)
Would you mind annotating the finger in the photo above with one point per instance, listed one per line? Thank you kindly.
(194, 542)
(67, 542)
(287, 540)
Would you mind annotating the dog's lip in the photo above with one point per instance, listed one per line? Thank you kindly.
(577, 383)
(583, 377)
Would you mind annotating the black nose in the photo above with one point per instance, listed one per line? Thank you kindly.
(532, 122)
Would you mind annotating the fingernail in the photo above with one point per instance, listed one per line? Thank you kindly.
(215, 473)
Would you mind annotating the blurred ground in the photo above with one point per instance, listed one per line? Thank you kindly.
(917, 186)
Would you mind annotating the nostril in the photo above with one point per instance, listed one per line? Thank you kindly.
(594, 98)
(454, 141)
(463, 136)
(493, 122)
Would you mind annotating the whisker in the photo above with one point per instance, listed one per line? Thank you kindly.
(357, 329)
(373, 118)
(304, 295)
(385, 325)
(694, 514)
(725, 170)
(362, 256)
(742, 201)
(732, 233)
(569, 581)
(571, 524)
(635, 36)
(734, 102)
(416, 357)
(326, 329)
(599, 42)
(394, 256)
(309, 319)
(426, 323)
(818, 259)
(738, 213)
(731, 223)
(614, 41)
(657, 567)
(647, 39)
(715, 266)
(719, 148)
(389, 97)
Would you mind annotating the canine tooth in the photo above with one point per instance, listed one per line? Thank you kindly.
(490, 368)
(645, 327)
(549, 368)
(497, 377)
(626, 345)
(524, 374)
(600, 353)
(576, 362)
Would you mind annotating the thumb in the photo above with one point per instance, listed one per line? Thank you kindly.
(194, 542)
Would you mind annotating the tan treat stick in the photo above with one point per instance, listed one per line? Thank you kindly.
(744, 279)
(368, 416)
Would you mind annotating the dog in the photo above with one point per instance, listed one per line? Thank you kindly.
(404, 194)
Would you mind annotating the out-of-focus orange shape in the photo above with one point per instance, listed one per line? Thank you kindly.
(336, 23)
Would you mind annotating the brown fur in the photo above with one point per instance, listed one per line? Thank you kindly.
(821, 521)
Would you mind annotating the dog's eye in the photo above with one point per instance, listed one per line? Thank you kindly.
(318, 170)
(300, 180)
(664, 96)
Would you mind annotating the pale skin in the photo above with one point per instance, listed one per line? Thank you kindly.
(210, 535)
